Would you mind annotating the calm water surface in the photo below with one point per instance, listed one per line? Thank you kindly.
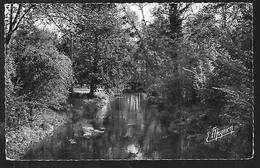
(133, 130)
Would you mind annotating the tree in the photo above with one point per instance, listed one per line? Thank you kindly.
(161, 43)
(14, 14)
(224, 62)
(100, 48)
(96, 31)
(43, 75)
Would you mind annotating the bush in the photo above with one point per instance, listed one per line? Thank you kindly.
(179, 89)
(47, 76)
(37, 76)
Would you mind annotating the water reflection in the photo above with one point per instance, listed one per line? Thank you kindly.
(133, 131)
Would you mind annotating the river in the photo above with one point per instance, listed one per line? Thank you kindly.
(133, 130)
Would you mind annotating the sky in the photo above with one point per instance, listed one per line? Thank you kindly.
(147, 12)
(149, 6)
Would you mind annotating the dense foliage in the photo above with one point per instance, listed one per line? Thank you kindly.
(213, 61)
(199, 65)
(202, 60)
(37, 76)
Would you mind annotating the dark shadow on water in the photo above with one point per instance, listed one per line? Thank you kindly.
(133, 130)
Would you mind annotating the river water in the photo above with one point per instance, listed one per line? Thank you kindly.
(133, 130)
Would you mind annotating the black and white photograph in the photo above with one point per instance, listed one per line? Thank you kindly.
(128, 81)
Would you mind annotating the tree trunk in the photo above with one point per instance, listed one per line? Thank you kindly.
(71, 57)
(92, 89)
(7, 39)
(31, 116)
(95, 64)
(71, 91)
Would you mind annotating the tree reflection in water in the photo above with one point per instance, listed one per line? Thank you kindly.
(133, 131)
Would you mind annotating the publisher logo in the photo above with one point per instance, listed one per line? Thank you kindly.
(216, 133)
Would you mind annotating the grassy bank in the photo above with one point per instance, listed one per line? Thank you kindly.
(90, 112)
(19, 141)
(191, 123)
(102, 107)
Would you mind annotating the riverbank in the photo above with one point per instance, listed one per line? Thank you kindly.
(91, 111)
(19, 141)
(195, 124)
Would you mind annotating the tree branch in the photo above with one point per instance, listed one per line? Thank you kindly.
(11, 19)
(132, 23)
(185, 8)
(17, 14)
(188, 70)
(23, 17)
(142, 11)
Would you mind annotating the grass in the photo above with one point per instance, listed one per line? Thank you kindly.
(19, 141)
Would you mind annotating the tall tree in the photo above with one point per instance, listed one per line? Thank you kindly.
(99, 46)
(14, 14)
